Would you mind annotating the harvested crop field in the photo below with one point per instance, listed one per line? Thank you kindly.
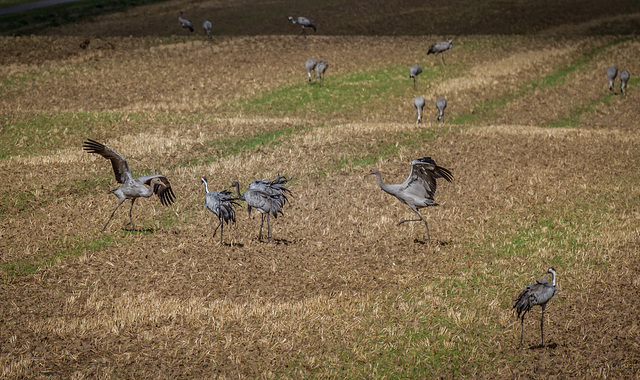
(544, 159)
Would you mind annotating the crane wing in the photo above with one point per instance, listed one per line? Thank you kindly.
(162, 190)
(119, 163)
(424, 173)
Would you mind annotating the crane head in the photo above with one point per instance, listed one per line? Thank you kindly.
(204, 179)
(551, 270)
(373, 171)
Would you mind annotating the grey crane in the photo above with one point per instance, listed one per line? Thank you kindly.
(221, 204)
(414, 71)
(419, 188)
(267, 204)
(207, 27)
(310, 65)
(187, 25)
(274, 187)
(419, 103)
(132, 188)
(440, 47)
(441, 104)
(538, 293)
(612, 72)
(624, 78)
(304, 23)
(321, 67)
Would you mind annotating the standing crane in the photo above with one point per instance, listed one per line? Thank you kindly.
(310, 65)
(264, 202)
(207, 27)
(274, 187)
(221, 204)
(612, 72)
(187, 25)
(321, 67)
(440, 47)
(419, 188)
(419, 103)
(624, 78)
(414, 71)
(132, 188)
(536, 294)
(304, 23)
(441, 104)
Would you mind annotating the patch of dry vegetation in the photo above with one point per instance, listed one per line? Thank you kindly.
(342, 291)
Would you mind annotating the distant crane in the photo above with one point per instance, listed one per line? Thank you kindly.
(414, 71)
(310, 65)
(264, 202)
(132, 188)
(441, 104)
(624, 78)
(419, 188)
(184, 23)
(536, 294)
(419, 103)
(207, 27)
(440, 47)
(612, 72)
(304, 23)
(321, 67)
(221, 204)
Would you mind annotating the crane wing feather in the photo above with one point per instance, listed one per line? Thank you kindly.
(162, 190)
(119, 163)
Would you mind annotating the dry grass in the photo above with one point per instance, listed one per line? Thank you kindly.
(342, 291)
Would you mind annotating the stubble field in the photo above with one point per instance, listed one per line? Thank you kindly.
(545, 163)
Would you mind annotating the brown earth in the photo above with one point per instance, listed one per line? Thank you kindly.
(342, 291)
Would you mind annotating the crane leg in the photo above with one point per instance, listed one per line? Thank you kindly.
(221, 231)
(218, 226)
(417, 220)
(443, 59)
(130, 211)
(542, 328)
(521, 329)
(414, 83)
(269, 228)
(261, 223)
(112, 214)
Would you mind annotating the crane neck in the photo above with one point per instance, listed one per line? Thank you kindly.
(206, 186)
(237, 185)
(553, 278)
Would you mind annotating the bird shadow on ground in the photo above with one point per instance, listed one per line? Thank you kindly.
(437, 242)
(279, 241)
(552, 346)
(139, 230)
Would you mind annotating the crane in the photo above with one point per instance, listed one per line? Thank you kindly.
(274, 187)
(264, 202)
(624, 78)
(612, 72)
(441, 104)
(538, 293)
(184, 23)
(418, 189)
(304, 23)
(419, 103)
(221, 204)
(132, 188)
(414, 71)
(207, 27)
(440, 47)
(321, 67)
(310, 65)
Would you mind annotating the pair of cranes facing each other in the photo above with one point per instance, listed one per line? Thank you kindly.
(267, 197)
(612, 73)
(419, 103)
